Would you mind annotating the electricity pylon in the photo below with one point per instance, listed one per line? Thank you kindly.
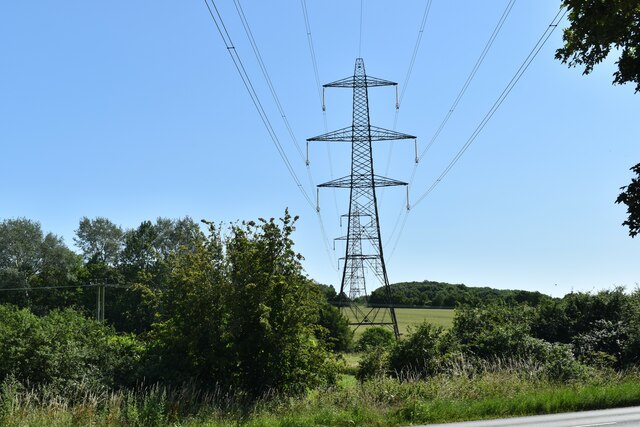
(363, 260)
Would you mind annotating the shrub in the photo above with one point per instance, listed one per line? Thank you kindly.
(560, 365)
(239, 313)
(493, 331)
(420, 354)
(337, 334)
(64, 350)
(374, 363)
(603, 345)
(375, 337)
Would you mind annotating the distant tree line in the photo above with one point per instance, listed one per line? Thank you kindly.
(438, 294)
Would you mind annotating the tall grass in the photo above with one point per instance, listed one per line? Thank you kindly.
(498, 389)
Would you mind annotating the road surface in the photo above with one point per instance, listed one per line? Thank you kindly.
(619, 417)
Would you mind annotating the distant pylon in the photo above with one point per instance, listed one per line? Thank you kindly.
(363, 260)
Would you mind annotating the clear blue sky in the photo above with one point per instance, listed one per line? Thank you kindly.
(133, 110)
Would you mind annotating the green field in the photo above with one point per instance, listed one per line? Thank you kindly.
(414, 316)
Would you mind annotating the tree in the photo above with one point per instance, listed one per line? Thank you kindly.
(20, 241)
(100, 240)
(630, 196)
(598, 26)
(238, 312)
(144, 270)
(29, 259)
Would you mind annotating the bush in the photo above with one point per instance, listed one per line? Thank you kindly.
(239, 313)
(64, 350)
(373, 364)
(375, 337)
(560, 365)
(420, 354)
(337, 334)
(603, 345)
(493, 331)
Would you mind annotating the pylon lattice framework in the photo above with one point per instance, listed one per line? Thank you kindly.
(364, 259)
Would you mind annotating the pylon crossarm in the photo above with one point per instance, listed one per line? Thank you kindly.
(350, 82)
(340, 135)
(381, 134)
(346, 134)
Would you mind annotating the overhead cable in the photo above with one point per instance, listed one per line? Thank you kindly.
(226, 38)
(265, 73)
(509, 87)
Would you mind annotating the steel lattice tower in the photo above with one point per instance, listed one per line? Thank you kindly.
(363, 260)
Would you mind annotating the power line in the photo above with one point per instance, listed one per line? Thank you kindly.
(37, 288)
(472, 74)
(463, 89)
(226, 38)
(407, 77)
(514, 80)
(416, 47)
(265, 73)
(314, 61)
(256, 101)
(425, 15)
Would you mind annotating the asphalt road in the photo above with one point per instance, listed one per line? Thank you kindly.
(618, 417)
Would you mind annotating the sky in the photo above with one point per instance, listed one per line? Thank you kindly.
(134, 110)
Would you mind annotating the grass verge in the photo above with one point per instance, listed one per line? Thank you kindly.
(378, 402)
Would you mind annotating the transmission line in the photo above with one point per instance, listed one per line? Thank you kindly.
(416, 47)
(226, 38)
(509, 87)
(472, 74)
(461, 93)
(425, 15)
(314, 61)
(37, 288)
(265, 73)
(219, 22)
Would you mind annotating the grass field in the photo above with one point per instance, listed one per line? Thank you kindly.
(408, 317)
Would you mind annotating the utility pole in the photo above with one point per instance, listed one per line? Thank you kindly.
(364, 259)
(100, 301)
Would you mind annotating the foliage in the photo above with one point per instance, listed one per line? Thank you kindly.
(327, 290)
(492, 331)
(142, 267)
(630, 196)
(238, 312)
(373, 364)
(375, 338)
(65, 350)
(335, 331)
(577, 313)
(381, 401)
(603, 345)
(421, 354)
(439, 294)
(100, 240)
(596, 27)
(30, 260)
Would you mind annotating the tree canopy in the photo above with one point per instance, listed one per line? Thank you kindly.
(596, 27)
(630, 196)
